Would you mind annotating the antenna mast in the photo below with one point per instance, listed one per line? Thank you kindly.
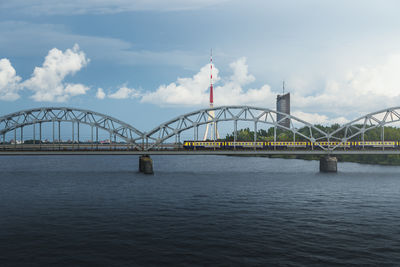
(211, 126)
(211, 82)
(283, 87)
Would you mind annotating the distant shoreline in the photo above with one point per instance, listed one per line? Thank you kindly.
(383, 160)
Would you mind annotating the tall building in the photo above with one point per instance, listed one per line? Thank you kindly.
(283, 105)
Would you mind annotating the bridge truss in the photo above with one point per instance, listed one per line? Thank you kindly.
(193, 120)
(358, 127)
(57, 115)
(160, 137)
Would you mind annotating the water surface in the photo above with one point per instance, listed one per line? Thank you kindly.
(217, 210)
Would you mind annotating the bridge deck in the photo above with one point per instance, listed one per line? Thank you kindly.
(201, 152)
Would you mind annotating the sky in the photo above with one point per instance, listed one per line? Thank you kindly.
(147, 61)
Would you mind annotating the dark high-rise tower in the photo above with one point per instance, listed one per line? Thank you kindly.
(283, 105)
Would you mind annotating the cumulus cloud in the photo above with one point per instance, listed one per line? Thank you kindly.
(360, 91)
(185, 91)
(9, 81)
(364, 89)
(100, 93)
(124, 93)
(382, 80)
(194, 91)
(319, 118)
(47, 82)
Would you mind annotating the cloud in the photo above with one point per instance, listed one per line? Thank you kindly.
(9, 81)
(100, 93)
(68, 7)
(47, 82)
(318, 118)
(15, 34)
(124, 93)
(382, 80)
(194, 91)
(363, 90)
(185, 91)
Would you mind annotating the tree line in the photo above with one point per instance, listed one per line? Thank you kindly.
(372, 134)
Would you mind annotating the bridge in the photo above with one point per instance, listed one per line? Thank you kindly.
(44, 131)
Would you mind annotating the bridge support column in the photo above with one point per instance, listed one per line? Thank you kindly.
(146, 164)
(328, 164)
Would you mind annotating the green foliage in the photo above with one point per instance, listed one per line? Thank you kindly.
(372, 134)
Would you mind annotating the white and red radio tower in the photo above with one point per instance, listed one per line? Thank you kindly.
(211, 126)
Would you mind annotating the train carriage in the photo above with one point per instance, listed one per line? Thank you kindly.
(244, 145)
(203, 144)
(283, 145)
(377, 144)
(287, 145)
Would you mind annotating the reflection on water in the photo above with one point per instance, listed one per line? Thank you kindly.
(79, 210)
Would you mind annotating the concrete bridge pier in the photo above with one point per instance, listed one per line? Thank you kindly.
(328, 164)
(146, 164)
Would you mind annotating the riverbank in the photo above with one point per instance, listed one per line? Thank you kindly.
(388, 160)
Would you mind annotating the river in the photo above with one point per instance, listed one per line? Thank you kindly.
(196, 210)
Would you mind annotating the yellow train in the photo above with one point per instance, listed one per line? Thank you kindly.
(288, 144)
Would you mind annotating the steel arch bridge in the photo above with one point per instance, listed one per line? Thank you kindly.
(256, 115)
(115, 127)
(155, 139)
(363, 124)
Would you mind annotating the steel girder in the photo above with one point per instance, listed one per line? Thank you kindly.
(64, 114)
(230, 113)
(194, 119)
(359, 126)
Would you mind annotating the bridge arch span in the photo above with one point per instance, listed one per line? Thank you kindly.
(115, 127)
(359, 126)
(257, 115)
